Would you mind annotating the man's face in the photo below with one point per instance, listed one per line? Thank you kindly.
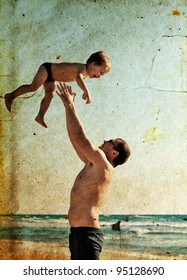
(108, 145)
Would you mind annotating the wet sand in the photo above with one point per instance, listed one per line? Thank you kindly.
(24, 250)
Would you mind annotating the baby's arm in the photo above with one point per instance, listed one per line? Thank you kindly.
(81, 83)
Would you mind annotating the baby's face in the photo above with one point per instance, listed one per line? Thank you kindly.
(96, 71)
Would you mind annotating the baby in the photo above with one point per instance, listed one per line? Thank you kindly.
(97, 65)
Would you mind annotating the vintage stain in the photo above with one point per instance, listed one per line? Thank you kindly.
(183, 69)
(8, 190)
(151, 135)
(175, 13)
(8, 185)
(158, 111)
(3, 187)
(3, 190)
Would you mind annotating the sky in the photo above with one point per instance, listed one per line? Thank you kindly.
(143, 99)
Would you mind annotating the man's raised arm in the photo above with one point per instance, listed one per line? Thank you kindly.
(80, 141)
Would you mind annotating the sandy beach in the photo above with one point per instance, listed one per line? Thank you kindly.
(24, 250)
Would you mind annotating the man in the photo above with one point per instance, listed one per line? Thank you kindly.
(91, 184)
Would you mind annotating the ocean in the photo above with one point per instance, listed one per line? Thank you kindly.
(159, 234)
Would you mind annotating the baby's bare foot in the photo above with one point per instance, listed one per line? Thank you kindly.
(40, 120)
(8, 101)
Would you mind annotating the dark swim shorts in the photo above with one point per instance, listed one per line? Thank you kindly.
(85, 243)
(47, 66)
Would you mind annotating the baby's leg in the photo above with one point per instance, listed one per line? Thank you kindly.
(38, 80)
(49, 93)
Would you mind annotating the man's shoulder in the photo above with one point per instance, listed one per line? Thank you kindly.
(102, 160)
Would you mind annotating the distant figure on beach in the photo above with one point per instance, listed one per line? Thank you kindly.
(97, 65)
(91, 184)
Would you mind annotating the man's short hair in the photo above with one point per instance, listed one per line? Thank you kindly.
(124, 152)
(99, 58)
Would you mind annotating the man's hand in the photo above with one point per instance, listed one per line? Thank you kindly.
(65, 93)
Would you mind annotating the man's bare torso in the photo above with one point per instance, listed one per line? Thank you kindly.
(88, 194)
(67, 72)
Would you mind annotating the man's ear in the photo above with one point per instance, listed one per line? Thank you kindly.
(115, 153)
